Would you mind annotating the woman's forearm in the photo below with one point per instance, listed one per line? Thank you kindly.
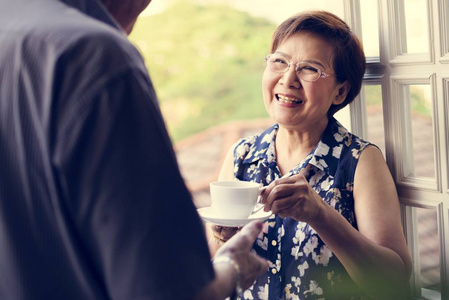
(377, 270)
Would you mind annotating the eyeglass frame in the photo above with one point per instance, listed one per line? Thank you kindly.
(321, 73)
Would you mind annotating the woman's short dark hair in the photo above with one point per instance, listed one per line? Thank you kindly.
(348, 56)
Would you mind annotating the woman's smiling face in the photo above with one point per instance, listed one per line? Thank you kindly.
(291, 101)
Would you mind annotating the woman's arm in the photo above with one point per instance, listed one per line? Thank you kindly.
(227, 169)
(377, 211)
(375, 256)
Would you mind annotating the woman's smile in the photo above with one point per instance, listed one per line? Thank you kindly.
(287, 99)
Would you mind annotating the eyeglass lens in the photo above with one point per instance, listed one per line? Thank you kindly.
(281, 64)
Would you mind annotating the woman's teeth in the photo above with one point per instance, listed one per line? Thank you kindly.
(285, 99)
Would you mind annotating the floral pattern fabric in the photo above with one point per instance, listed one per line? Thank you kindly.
(303, 267)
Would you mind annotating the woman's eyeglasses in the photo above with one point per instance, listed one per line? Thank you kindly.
(306, 71)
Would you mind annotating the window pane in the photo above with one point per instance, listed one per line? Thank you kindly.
(374, 116)
(427, 281)
(416, 24)
(421, 115)
(370, 27)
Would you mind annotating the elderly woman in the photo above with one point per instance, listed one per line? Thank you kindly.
(335, 232)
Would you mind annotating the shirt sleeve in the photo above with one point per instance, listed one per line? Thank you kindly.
(127, 208)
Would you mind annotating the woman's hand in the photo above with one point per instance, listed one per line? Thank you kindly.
(218, 235)
(293, 197)
(222, 234)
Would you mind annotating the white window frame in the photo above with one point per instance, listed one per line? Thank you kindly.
(392, 70)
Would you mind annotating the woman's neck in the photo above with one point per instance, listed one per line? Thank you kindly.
(294, 144)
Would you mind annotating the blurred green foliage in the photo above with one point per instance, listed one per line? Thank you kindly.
(206, 62)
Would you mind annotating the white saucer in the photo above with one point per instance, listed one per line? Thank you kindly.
(208, 214)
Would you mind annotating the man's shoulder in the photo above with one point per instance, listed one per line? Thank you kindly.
(91, 36)
(57, 28)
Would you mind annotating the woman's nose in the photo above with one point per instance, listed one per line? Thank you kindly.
(290, 78)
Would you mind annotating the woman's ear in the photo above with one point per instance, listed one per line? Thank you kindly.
(342, 92)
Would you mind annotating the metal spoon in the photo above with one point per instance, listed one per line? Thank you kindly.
(258, 202)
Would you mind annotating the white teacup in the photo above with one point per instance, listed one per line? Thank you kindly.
(234, 199)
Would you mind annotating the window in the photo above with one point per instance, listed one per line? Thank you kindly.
(407, 80)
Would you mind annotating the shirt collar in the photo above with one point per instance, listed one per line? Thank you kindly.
(324, 156)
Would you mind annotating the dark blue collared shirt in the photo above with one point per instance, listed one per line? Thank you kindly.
(303, 267)
(92, 204)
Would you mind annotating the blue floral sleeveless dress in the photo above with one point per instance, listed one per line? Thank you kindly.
(302, 266)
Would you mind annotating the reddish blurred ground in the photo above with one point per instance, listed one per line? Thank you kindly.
(200, 157)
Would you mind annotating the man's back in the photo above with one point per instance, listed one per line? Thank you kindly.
(31, 48)
(67, 120)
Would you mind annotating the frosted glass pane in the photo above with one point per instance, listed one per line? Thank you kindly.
(416, 26)
(370, 27)
(374, 116)
(428, 280)
(421, 115)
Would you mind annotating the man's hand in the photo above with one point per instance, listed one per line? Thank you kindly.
(239, 248)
